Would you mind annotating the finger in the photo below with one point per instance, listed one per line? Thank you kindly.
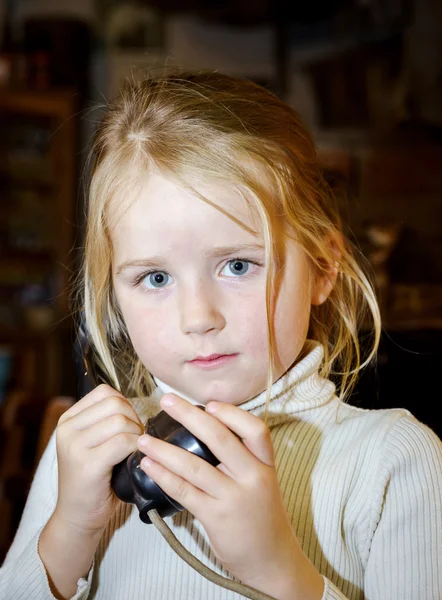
(114, 450)
(99, 393)
(188, 466)
(112, 405)
(107, 428)
(192, 498)
(222, 442)
(253, 432)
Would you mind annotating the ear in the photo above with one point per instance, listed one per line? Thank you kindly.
(326, 273)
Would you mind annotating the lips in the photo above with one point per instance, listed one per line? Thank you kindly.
(210, 357)
(212, 361)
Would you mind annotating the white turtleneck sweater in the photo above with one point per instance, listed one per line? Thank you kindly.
(363, 490)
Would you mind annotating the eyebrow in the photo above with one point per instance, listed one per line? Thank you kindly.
(218, 252)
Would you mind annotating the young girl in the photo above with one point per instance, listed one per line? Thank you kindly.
(216, 273)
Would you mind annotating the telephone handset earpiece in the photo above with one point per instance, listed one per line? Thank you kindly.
(131, 484)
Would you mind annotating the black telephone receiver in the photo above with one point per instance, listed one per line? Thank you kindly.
(129, 482)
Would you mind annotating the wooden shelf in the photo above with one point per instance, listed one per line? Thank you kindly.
(39, 194)
(9, 182)
(413, 306)
(17, 335)
(12, 258)
(54, 103)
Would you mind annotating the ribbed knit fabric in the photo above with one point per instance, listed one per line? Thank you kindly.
(363, 490)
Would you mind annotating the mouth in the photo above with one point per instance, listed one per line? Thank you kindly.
(212, 361)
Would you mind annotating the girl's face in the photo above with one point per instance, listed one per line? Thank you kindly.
(191, 284)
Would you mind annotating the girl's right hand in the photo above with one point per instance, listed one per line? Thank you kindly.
(95, 434)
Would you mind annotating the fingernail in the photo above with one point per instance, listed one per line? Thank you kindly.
(146, 462)
(143, 441)
(168, 400)
(212, 407)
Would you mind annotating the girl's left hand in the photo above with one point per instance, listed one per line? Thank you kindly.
(239, 503)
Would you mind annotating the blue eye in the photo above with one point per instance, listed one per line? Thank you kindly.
(156, 279)
(237, 267)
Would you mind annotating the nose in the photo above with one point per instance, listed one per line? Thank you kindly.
(200, 310)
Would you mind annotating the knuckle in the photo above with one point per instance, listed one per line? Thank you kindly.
(123, 440)
(115, 402)
(61, 426)
(182, 490)
(119, 421)
(262, 431)
(62, 418)
(104, 388)
(260, 478)
(105, 392)
(76, 449)
(120, 404)
(68, 413)
(194, 468)
(222, 437)
(62, 433)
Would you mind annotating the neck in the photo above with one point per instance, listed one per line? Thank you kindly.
(300, 388)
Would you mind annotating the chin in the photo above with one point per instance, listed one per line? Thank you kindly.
(225, 397)
(220, 392)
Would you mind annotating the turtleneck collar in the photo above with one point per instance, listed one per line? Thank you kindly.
(300, 388)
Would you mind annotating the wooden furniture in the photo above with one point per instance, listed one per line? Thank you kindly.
(395, 182)
(38, 196)
(54, 409)
(38, 193)
(25, 430)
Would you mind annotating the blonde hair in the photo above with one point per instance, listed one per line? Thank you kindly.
(208, 126)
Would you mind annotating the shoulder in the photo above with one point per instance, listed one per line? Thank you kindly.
(396, 442)
(378, 442)
(410, 441)
(392, 427)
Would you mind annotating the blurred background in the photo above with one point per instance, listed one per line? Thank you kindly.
(365, 76)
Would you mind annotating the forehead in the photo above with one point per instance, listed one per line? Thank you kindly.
(216, 212)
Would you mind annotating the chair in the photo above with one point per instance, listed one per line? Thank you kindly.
(53, 411)
(26, 425)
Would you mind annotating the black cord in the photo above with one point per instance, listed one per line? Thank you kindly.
(196, 564)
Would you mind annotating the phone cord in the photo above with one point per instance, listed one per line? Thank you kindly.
(196, 564)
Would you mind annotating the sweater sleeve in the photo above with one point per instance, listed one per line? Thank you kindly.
(331, 592)
(404, 545)
(22, 569)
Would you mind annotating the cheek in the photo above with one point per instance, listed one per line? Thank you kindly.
(291, 321)
(248, 325)
(156, 346)
(149, 329)
(292, 317)
(148, 335)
